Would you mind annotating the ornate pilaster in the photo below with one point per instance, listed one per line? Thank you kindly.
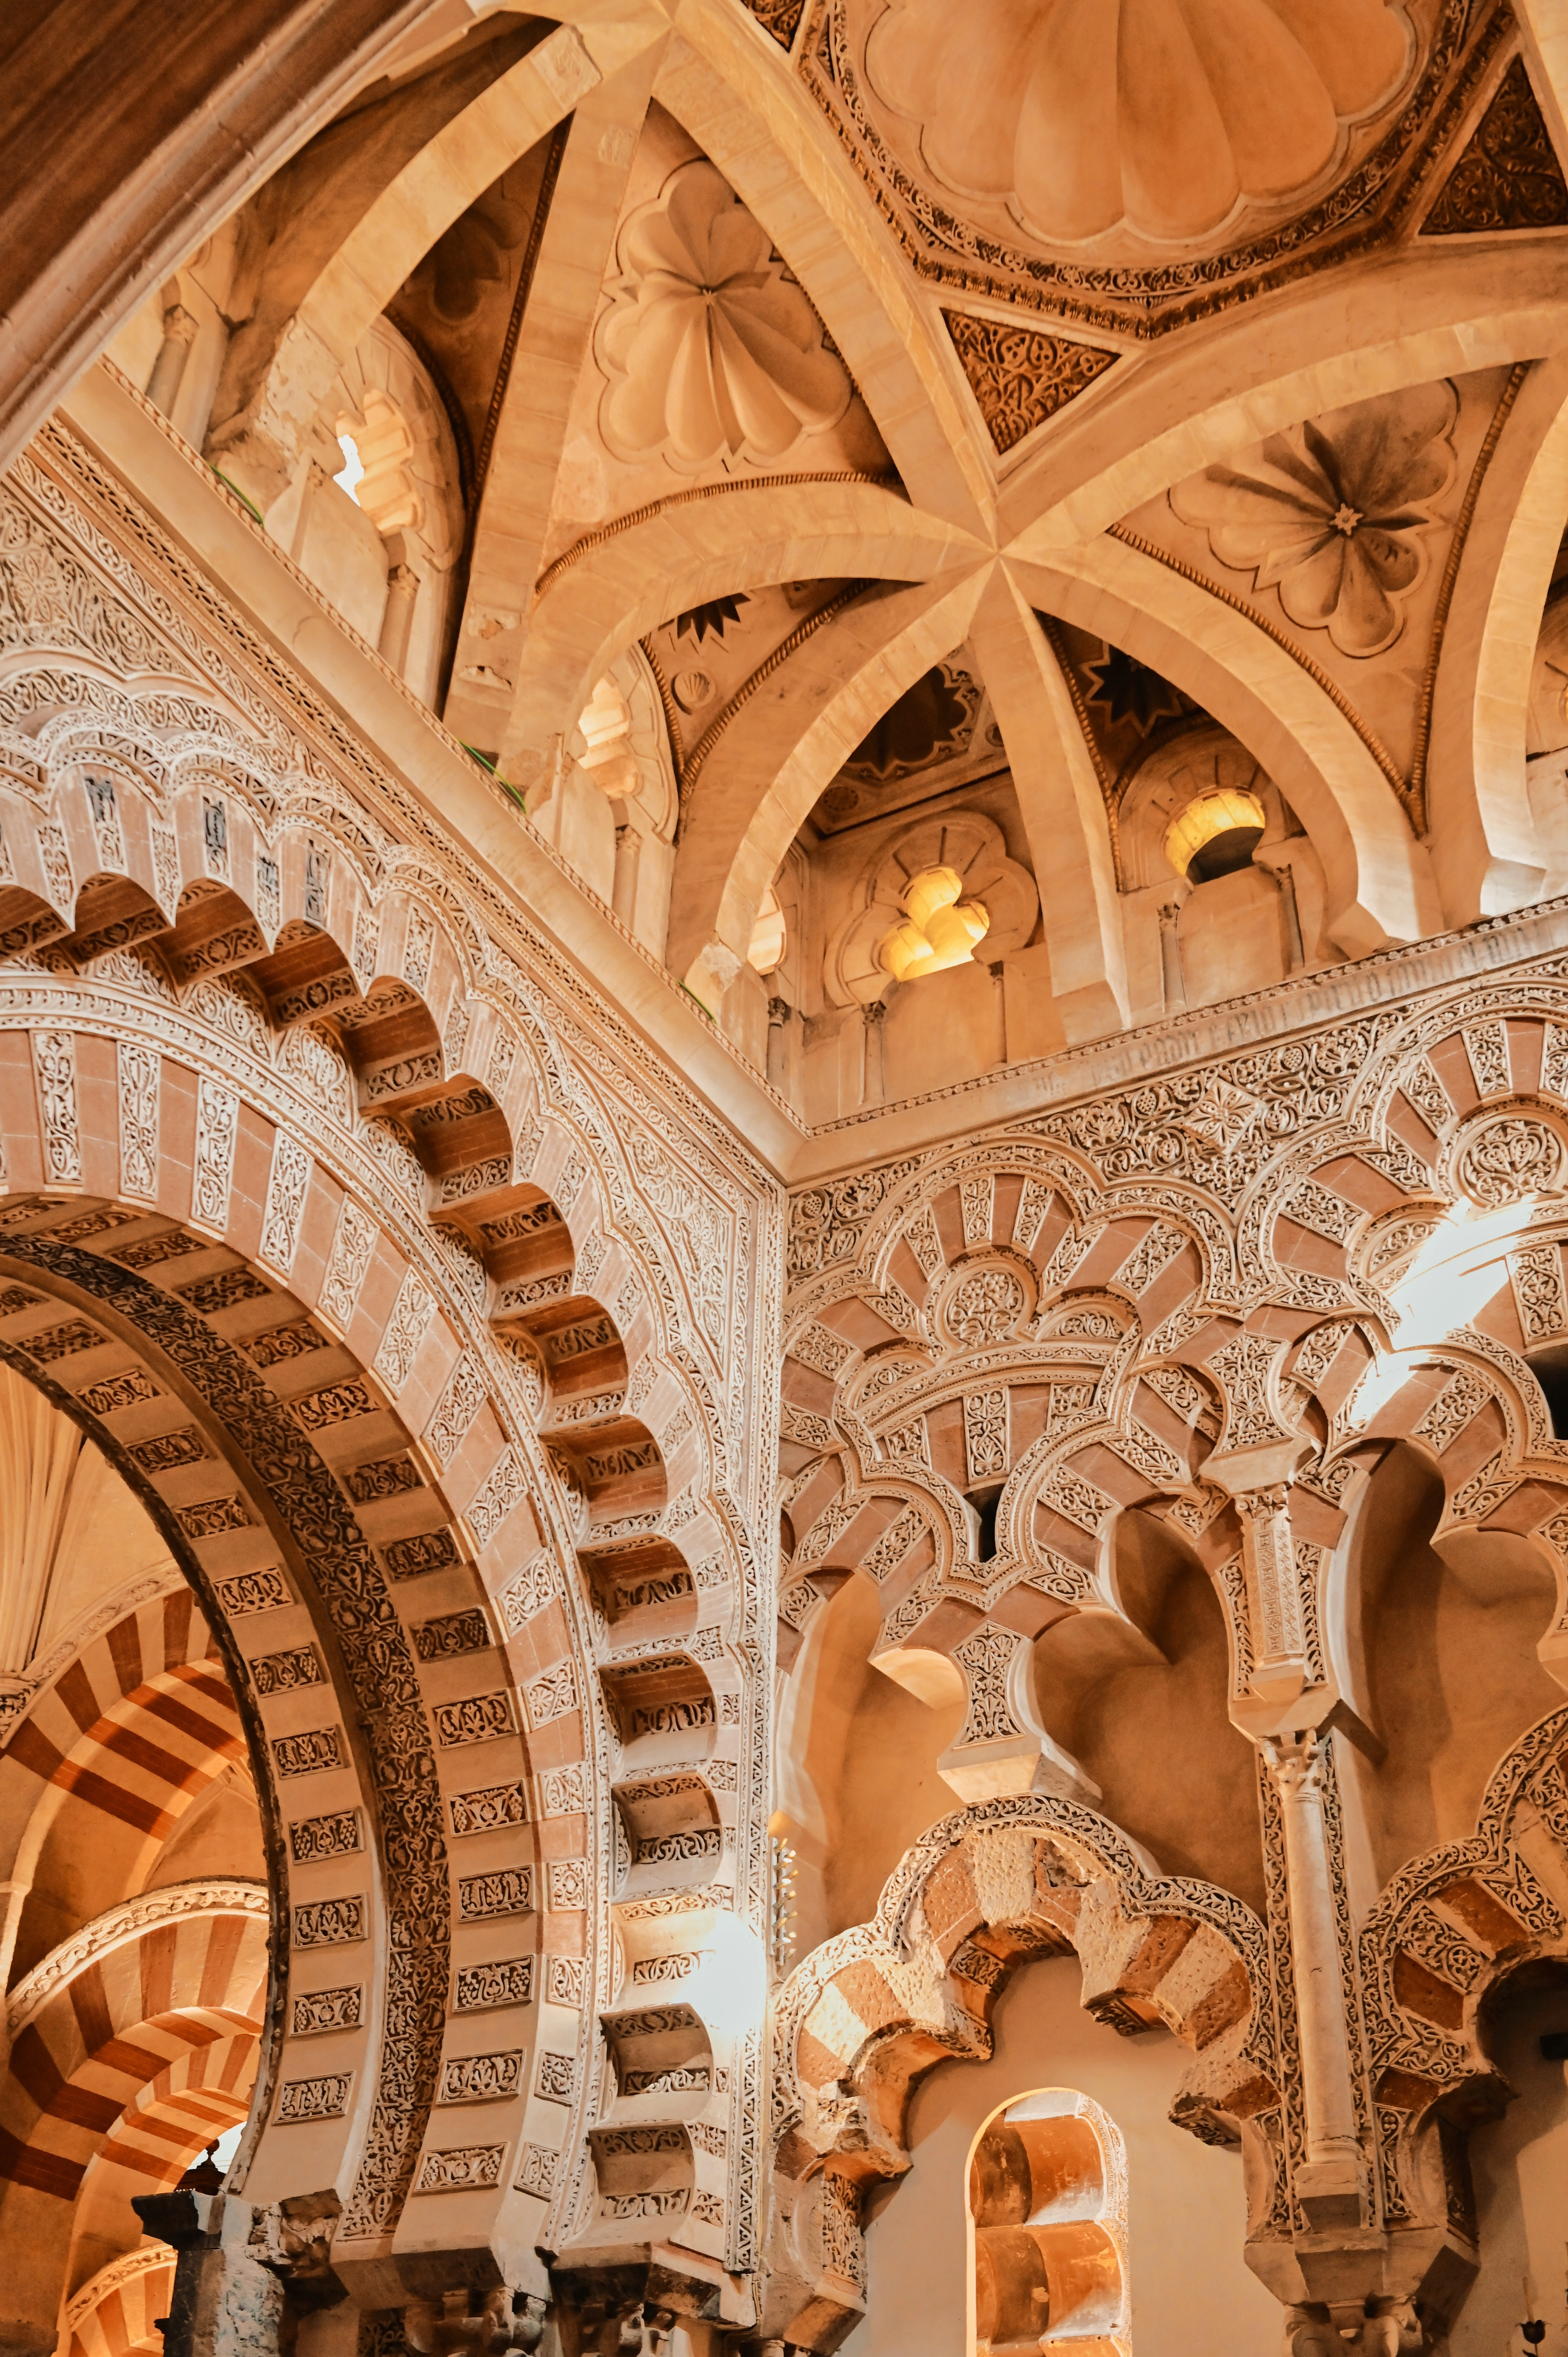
(1268, 1555)
(1171, 982)
(874, 1088)
(628, 860)
(397, 616)
(779, 1012)
(1331, 2186)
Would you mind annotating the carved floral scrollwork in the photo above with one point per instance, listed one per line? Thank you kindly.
(1501, 1161)
(984, 1307)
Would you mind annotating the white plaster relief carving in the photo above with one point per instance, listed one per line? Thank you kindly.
(138, 1071)
(217, 1135)
(459, 1404)
(1074, 141)
(1335, 516)
(352, 1243)
(985, 1434)
(54, 1061)
(405, 1330)
(287, 1186)
(1485, 1045)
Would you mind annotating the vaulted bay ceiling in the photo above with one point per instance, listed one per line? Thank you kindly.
(783, 1174)
(807, 448)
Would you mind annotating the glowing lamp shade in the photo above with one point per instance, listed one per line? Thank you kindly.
(942, 928)
(1226, 811)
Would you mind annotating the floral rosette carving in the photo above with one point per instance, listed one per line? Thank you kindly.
(712, 349)
(984, 1307)
(1506, 1158)
(1334, 513)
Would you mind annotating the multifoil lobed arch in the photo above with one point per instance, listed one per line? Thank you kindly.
(982, 1892)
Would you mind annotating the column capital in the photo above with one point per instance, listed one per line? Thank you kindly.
(1295, 1762)
(506, 2320)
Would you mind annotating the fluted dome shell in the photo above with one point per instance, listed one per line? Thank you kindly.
(1156, 116)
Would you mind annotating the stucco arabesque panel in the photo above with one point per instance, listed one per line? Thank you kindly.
(90, 1006)
(728, 1172)
(175, 603)
(1238, 1144)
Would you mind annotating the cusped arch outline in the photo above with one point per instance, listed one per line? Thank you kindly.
(985, 1890)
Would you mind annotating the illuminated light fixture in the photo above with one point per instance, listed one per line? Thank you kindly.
(351, 473)
(943, 929)
(767, 935)
(1215, 835)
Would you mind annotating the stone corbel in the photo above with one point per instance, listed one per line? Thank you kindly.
(1002, 1748)
(536, 772)
(1384, 2326)
(612, 2302)
(710, 974)
(260, 447)
(614, 2321)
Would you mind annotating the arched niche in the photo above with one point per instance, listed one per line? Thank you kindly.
(967, 1963)
(1047, 2201)
(1129, 1698)
(856, 1779)
(1435, 1646)
(1518, 2165)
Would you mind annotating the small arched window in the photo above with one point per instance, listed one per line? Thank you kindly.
(1047, 2229)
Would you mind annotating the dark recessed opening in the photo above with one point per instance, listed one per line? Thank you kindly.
(1549, 1368)
(984, 1502)
(1224, 855)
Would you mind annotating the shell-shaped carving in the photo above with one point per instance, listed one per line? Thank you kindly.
(1158, 116)
(711, 347)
